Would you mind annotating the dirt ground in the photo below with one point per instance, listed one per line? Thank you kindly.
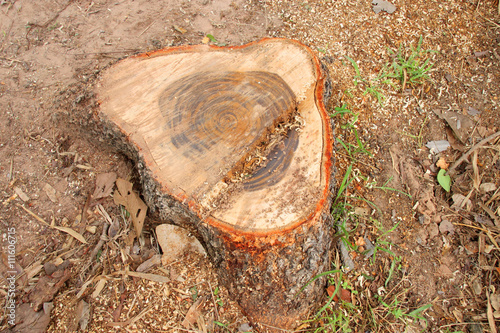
(444, 244)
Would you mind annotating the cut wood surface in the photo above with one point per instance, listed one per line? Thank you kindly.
(236, 142)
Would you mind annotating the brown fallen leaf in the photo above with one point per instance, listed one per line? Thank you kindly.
(147, 276)
(360, 241)
(148, 264)
(104, 184)
(192, 315)
(99, 287)
(489, 313)
(461, 125)
(125, 196)
(476, 177)
(446, 227)
(345, 294)
(29, 320)
(82, 315)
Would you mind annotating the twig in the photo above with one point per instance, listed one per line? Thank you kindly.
(213, 299)
(474, 148)
(11, 176)
(102, 240)
(83, 221)
(147, 28)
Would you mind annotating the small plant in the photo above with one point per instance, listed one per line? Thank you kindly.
(419, 137)
(218, 300)
(406, 67)
(373, 87)
(410, 67)
(350, 126)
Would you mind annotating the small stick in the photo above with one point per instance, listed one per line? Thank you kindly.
(11, 175)
(474, 148)
(83, 221)
(147, 28)
(101, 241)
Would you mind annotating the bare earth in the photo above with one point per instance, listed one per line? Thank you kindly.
(446, 252)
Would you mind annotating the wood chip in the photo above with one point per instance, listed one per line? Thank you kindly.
(99, 287)
(23, 196)
(51, 192)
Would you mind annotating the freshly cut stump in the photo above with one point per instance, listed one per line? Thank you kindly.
(235, 142)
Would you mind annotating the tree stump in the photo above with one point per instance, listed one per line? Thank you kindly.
(236, 142)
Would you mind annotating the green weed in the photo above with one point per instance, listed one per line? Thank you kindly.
(410, 67)
(350, 126)
(419, 138)
(373, 87)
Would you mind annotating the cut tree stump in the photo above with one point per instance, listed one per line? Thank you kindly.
(235, 142)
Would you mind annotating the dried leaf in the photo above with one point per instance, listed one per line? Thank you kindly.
(151, 277)
(476, 178)
(51, 192)
(82, 315)
(446, 227)
(459, 201)
(114, 228)
(437, 146)
(91, 228)
(487, 187)
(461, 125)
(133, 203)
(27, 320)
(345, 294)
(47, 287)
(104, 184)
(192, 315)
(495, 301)
(491, 319)
(84, 287)
(205, 40)
(148, 264)
(72, 233)
(360, 241)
